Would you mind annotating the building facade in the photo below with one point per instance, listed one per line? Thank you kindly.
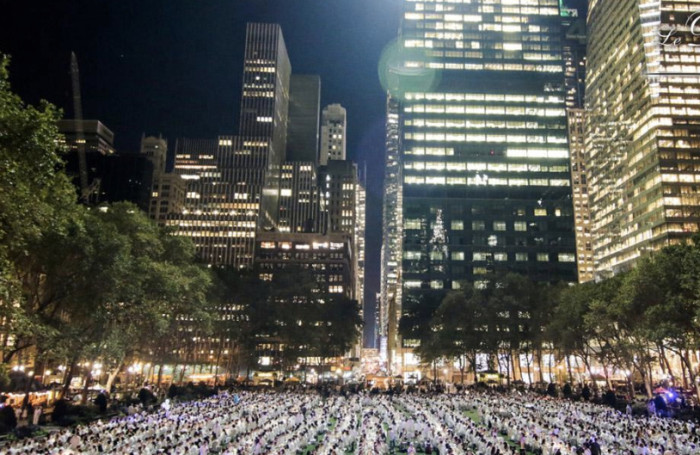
(167, 197)
(574, 49)
(486, 185)
(392, 232)
(304, 114)
(302, 207)
(98, 138)
(642, 133)
(333, 133)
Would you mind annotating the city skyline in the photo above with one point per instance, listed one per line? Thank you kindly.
(192, 65)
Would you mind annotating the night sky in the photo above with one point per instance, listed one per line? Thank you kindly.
(174, 67)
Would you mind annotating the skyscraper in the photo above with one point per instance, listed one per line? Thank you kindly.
(574, 46)
(233, 183)
(642, 131)
(265, 97)
(333, 133)
(260, 148)
(304, 113)
(483, 146)
(392, 231)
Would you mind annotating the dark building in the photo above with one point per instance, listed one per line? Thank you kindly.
(304, 112)
(98, 138)
(111, 176)
(302, 207)
(329, 257)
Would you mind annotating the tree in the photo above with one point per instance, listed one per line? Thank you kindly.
(36, 200)
(567, 328)
(459, 324)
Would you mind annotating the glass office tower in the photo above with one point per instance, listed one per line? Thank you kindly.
(643, 127)
(483, 139)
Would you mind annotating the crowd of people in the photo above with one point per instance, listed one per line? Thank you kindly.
(292, 423)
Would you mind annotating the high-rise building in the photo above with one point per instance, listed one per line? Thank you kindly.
(260, 149)
(304, 112)
(483, 145)
(574, 53)
(333, 133)
(392, 228)
(233, 183)
(574, 47)
(642, 127)
(579, 185)
(359, 244)
(265, 97)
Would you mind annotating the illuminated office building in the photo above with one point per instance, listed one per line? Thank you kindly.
(260, 149)
(484, 148)
(359, 243)
(333, 133)
(642, 127)
(574, 47)
(392, 232)
(579, 185)
(233, 183)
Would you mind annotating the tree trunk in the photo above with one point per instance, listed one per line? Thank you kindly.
(113, 375)
(607, 376)
(683, 372)
(160, 375)
(568, 369)
(84, 396)
(686, 360)
(594, 383)
(68, 378)
(529, 373)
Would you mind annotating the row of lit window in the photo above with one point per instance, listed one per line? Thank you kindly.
(482, 256)
(485, 110)
(482, 181)
(492, 138)
(480, 124)
(302, 246)
(230, 234)
(486, 66)
(258, 94)
(493, 167)
(508, 98)
(476, 18)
